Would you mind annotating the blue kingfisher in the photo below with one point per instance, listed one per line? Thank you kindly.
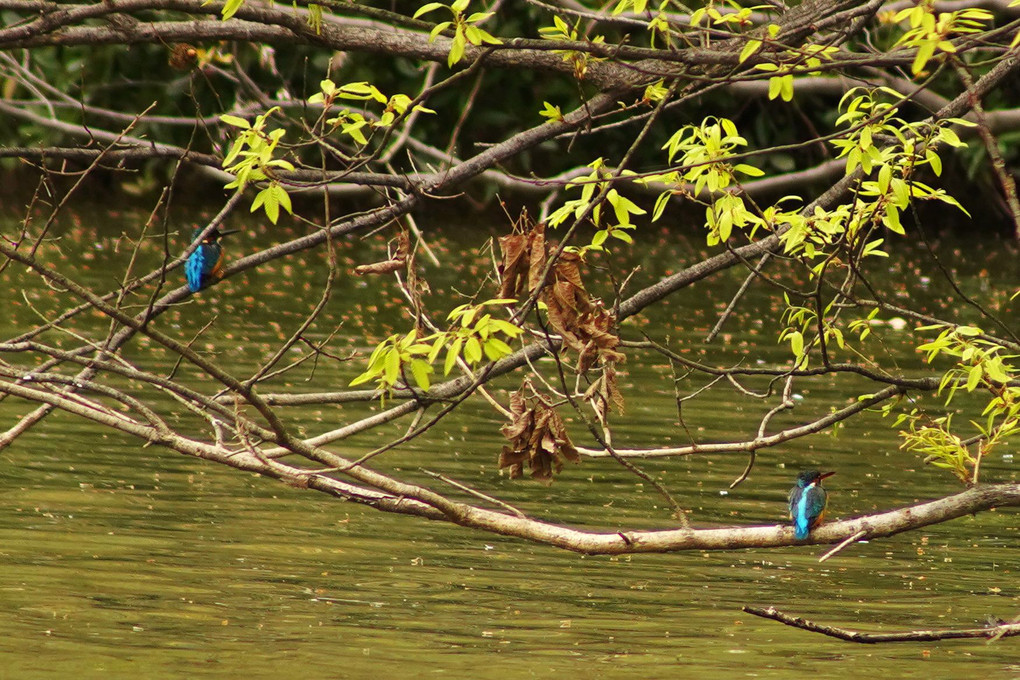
(807, 502)
(205, 265)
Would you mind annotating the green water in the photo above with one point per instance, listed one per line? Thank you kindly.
(120, 560)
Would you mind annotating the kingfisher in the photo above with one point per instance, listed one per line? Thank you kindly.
(204, 265)
(807, 502)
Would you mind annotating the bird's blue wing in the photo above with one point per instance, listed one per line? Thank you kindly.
(819, 499)
(801, 526)
(805, 509)
(194, 269)
(201, 265)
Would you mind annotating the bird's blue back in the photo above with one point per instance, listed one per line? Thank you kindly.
(201, 266)
(806, 507)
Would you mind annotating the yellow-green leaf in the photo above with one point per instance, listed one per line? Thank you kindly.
(420, 370)
(750, 48)
(426, 8)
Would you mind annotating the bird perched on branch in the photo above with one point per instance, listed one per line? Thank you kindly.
(807, 502)
(205, 264)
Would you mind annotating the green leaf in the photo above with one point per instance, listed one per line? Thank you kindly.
(361, 379)
(473, 350)
(884, 177)
(420, 370)
(872, 249)
(892, 219)
(272, 211)
(787, 85)
(796, 339)
(553, 113)
(507, 328)
(496, 349)
(457, 48)
(660, 205)
(451, 356)
(483, 36)
(353, 129)
(426, 8)
(974, 378)
(439, 28)
(775, 87)
(283, 198)
(315, 17)
(995, 371)
(408, 339)
(260, 201)
(749, 170)
(837, 334)
(391, 367)
(924, 53)
(750, 48)
(230, 8)
(623, 207)
(236, 121)
(437, 346)
(949, 136)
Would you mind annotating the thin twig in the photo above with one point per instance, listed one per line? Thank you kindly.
(991, 632)
(853, 539)
(474, 492)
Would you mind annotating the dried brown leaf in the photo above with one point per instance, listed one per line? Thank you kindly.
(385, 267)
(537, 436)
(537, 256)
(514, 267)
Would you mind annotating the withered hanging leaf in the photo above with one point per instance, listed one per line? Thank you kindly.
(519, 426)
(567, 297)
(581, 321)
(396, 261)
(598, 327)
(604, 393)
(538, 437)
(568, 269)
(562, 440)
(612, 389)
(403, 246)
(385, 267)
(514, 460)
(517, 403)
(537, 256)
(513, 270)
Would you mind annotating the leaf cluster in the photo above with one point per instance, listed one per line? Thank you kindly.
(979, 364)
(597, 191)
(466, 29)
(930, 33)
(538, 437)
(580, 320)
(250, 159)
(474, 336)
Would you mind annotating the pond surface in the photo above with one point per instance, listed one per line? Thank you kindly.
(120, 560)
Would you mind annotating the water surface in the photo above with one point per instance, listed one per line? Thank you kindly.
(117, 559)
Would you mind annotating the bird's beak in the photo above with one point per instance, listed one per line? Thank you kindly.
(826, 474)
(229, 231)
